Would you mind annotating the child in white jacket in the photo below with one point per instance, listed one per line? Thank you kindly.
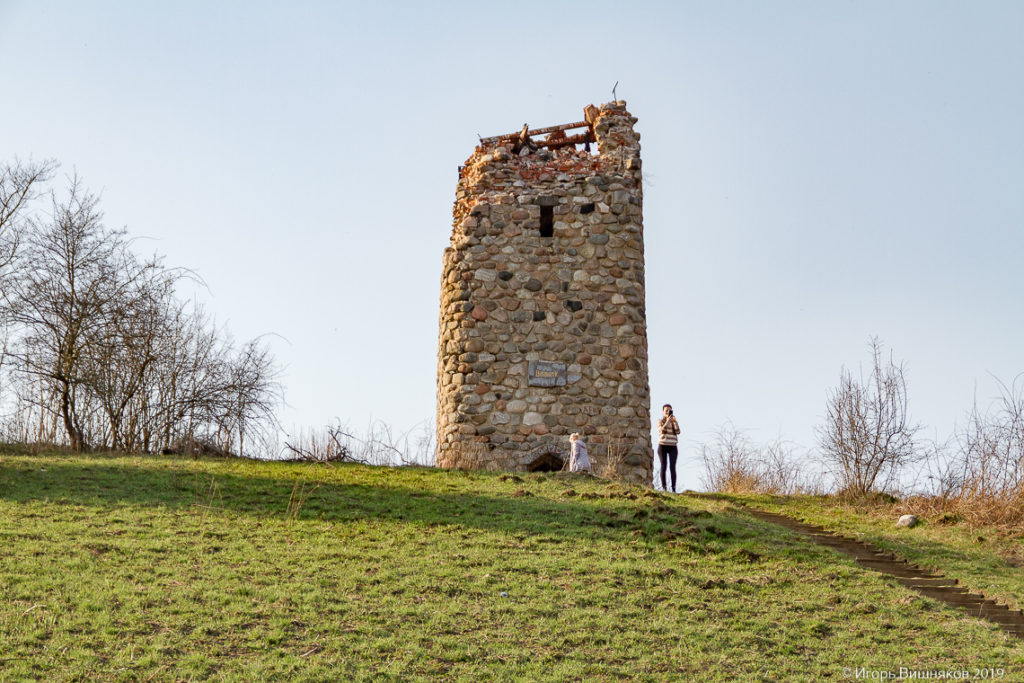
(578, 459)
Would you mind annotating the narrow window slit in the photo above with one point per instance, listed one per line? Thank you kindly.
(547, 221)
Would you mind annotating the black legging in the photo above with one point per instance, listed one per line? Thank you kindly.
(669, 453)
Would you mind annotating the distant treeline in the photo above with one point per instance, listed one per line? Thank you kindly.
(98, 350)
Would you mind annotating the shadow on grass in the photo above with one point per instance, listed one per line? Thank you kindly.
(173, 485)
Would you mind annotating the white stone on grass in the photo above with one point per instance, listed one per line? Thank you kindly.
(909, 521)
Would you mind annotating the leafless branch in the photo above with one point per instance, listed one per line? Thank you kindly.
(867, 437)
(97, 337)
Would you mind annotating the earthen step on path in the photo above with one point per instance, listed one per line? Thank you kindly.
(925, 583)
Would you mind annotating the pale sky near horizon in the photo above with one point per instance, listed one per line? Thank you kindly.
(815, 173)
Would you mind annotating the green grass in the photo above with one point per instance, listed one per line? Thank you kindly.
(166, 569)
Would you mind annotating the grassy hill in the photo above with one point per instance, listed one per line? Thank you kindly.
(162, 568)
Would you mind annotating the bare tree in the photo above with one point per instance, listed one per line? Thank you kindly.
(867, 437)
(102, 348)
(75, 278)
(117, 365)
(245, 403)
(175, 406)
(19, 185)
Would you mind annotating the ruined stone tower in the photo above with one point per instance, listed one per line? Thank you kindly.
(543, 322)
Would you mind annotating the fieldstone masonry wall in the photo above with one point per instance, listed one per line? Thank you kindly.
(541, 336)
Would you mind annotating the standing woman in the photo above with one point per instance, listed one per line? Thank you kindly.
(668, 440)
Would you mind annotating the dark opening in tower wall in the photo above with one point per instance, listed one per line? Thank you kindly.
(547, 221)
(549, 462)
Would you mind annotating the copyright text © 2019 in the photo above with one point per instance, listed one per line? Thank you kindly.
(903, 673)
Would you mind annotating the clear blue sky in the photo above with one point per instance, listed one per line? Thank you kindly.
(816, 173)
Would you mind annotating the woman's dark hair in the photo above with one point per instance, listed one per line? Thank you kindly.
(667, 405)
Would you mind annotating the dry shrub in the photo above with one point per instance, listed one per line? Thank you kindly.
(988, 479)
(974, 510)
(980, 478)
(611, 464)
(197, 448)
(378, 446)
(730, 463)
(324, 445)
(735, 464)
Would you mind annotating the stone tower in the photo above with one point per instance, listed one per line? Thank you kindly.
(543, 322)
